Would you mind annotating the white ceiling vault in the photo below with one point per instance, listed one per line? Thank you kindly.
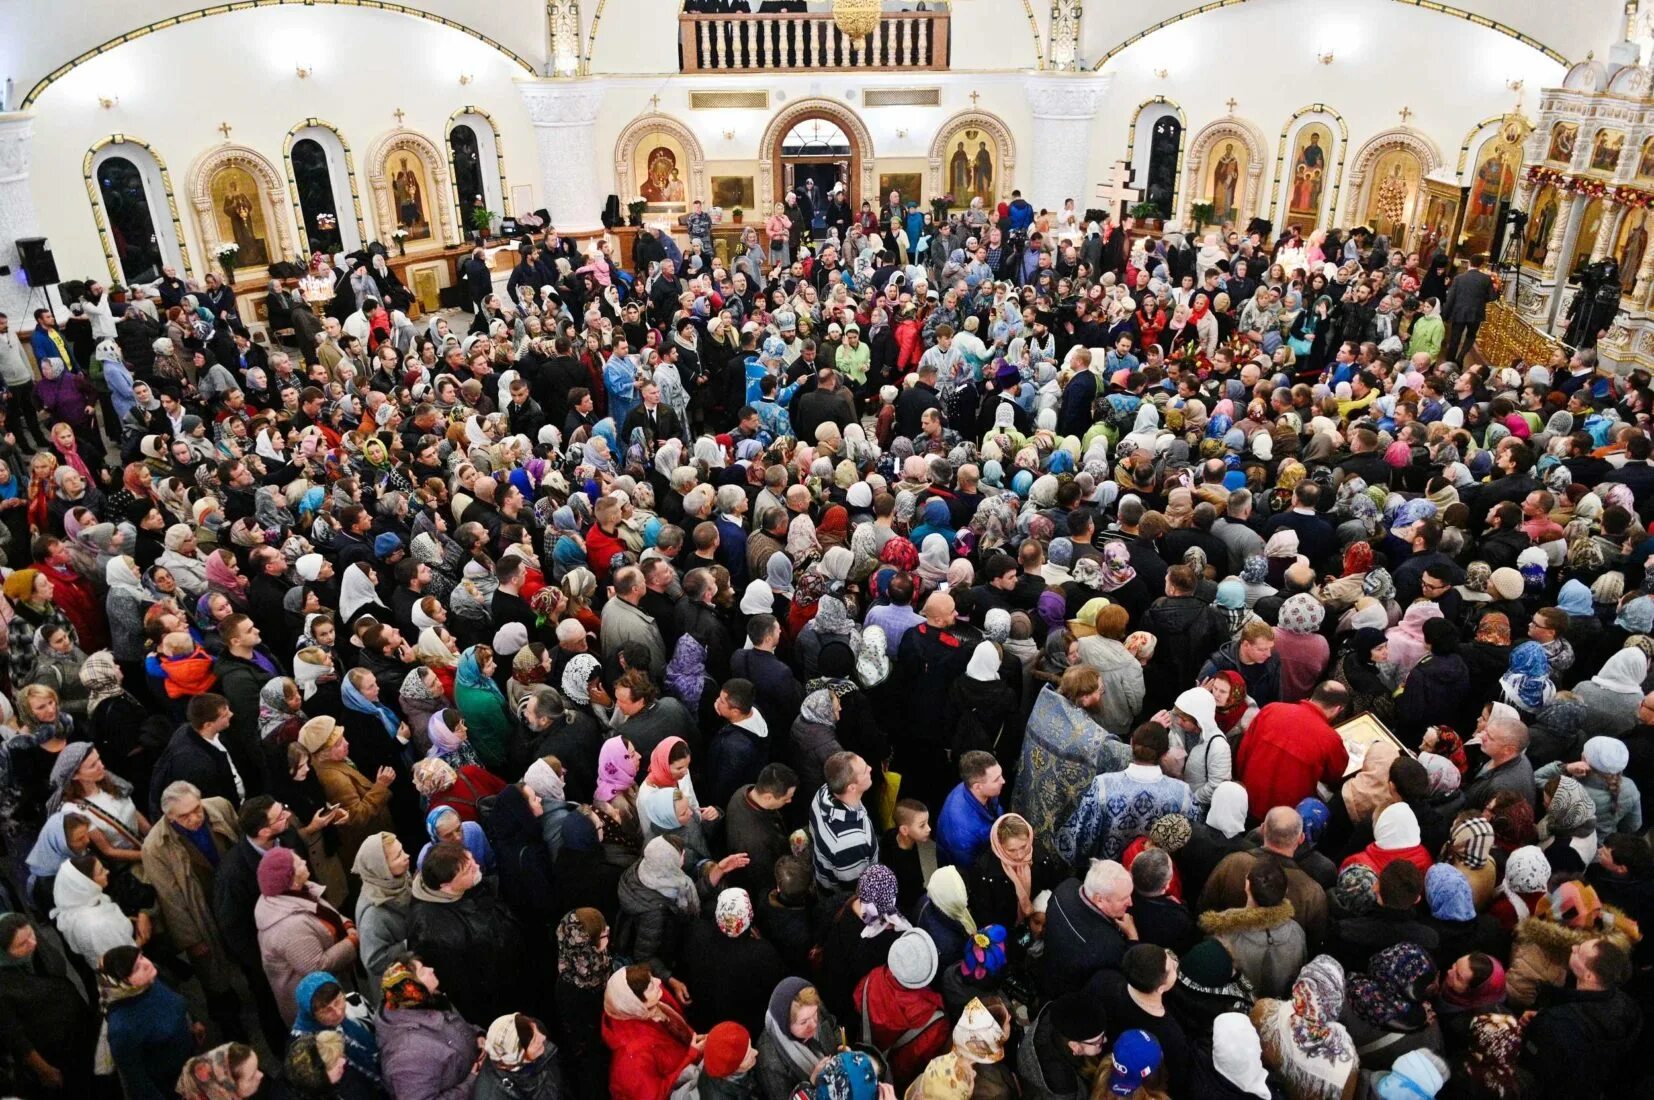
(50, 34)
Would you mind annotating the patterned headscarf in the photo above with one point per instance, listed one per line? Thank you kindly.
(1356, 890)
(1317, 1000)
(1393, 992)
(1301, 614)
(1495, 1044)
(581, 961)
(734, 912)
(1473, 842)
(1571, 808)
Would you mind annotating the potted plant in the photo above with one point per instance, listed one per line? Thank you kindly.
(226, 259)
(1204, 214)
(1147, 214)
(400, 236)
(635, 208)
(735, 214)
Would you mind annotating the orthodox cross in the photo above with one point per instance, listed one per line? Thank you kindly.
(974, 97)
(224, 128)
(1232, 102)
(654, 103)
(1118, 191)
(400, 115)
(1406, 113)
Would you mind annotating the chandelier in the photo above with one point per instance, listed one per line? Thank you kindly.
(856, 18)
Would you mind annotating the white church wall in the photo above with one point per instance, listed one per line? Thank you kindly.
(175, 87)
(59, 30)
(1450, 73)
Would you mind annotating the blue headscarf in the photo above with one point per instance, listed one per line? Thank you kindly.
(356, 701)
(1315, 816)
(470, 834)
(50, 851)
(1636, 616)
(469, 674)
(361, 1045)
(1575, 598)
(1528, 683)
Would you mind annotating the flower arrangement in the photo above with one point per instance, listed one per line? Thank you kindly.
(226, 252)
(399, 234)
(1187, 356)
(326, 221)
(636, 205)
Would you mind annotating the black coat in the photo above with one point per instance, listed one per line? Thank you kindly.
(235, 893)
(189, 757)
(524, 863)
(476, 947)
(711, 959)
(993, 896)
(734, 759)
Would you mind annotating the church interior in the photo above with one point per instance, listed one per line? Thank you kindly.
(228, 138)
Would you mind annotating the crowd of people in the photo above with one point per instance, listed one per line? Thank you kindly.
(1012, 657)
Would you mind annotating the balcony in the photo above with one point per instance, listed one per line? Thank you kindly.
(810, 41)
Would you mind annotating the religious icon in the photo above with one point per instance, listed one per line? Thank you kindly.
(1633, 246)
(1309, 172)
(1586, 242)
(1541, 222)
(1605, 150)
(663, 183)
(241, 213)
(1563, 135)
(1225, 190)
(1390, 204)
(1493, 183)
(408, 193)
(970, 167)
(662, 173)
(1645, 164)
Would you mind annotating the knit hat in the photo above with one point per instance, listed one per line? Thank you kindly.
(1078, 1018)
(275, 872)
(1506, 583)
(1136, 1056)
(309, 566)
(734, 912)
(316, 733)
(912, 959)
(726, 1048)
(1607, 755)
(1207, 964)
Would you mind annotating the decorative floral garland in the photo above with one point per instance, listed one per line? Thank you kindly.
(1543, 176)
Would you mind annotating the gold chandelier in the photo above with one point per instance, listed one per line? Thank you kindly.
(856, 18)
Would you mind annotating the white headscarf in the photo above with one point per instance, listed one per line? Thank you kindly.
(984, 665)
(1396, 827)
(355, 591)
(1237, 1054)
(1227, 813)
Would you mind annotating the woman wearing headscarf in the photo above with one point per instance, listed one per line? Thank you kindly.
(1434, 688)
(382, 905)
(1009, 874)
(32, 596)
(859, 936)
(487, 714)
(945, 916)
(1470, 850)
(798, 1035)
(1395, 837)
(1302, 1038)
(126, 602)
(324, 1005)
(1364, 668)
(1387, 1009)
(1527, 874)
(1568, 829)
(1219, 833)
(650, 1042)
(1601, 774)
(1302, 650)
(427, 1050)
(583, 968)
(657, 901)
(227, 1072)
(1614, 694)
(1406, 638)
(1452, 913)
(89, 920)
(1235, 1068)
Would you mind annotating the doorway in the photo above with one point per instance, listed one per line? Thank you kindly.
(812, 157)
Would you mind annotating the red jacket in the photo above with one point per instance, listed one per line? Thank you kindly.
(1288, 749)
(473, 784)
(909, 347)
(893, 1009)
(1379, 858)
(600, 549)
(648, 1056)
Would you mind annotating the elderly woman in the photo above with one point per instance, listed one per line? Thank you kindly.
(298, 932)
(382, 906)
(365, 801)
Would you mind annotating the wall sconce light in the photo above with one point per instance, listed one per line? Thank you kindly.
(1324, 58)
(901, 133)
(729, 135)
(108, 102)
(466, 78)
(304, 71)
(1161, 73)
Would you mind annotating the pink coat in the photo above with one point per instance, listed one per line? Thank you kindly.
(293, 941)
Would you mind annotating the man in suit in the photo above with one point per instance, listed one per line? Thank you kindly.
(658, 421)
(1467, 299)
(477, 279)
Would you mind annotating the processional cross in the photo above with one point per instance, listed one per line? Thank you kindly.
(1117, 191)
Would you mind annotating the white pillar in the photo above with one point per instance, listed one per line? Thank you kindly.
(1063, 106)
(17, 214)
(564, 113)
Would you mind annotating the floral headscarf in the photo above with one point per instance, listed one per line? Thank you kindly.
(1117, 570)
(580, 960)
(1301, 614)
(1493, 628)
(1393, 994)
(1317, 1000)
(1495, 1045)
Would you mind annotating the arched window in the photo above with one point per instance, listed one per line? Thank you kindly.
(1165, 142)
(133, 197)
(474, 154)
(467, 162)
(316, 202)
(325, 194)
(815, 137)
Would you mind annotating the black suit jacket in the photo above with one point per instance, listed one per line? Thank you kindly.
(1467, 298)
(188, 757)
(666, 424)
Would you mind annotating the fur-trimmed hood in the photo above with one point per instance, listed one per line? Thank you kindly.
(1558, 939)
(1229, 922)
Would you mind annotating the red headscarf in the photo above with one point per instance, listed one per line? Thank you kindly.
(1358, 558)
(660, 763)
(1227, 717)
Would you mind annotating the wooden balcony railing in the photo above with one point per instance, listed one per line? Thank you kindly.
(782, 43)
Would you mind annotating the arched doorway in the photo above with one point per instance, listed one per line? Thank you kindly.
(816, 140)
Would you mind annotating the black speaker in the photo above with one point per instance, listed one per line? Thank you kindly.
(35, 257)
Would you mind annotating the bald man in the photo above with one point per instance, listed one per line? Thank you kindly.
(1283, 841)
(929, 659)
